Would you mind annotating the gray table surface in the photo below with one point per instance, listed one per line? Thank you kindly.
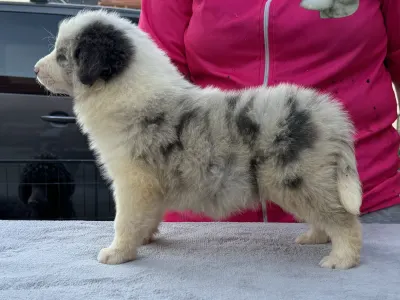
(57, 260)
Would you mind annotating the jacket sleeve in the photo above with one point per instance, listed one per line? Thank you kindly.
(166, 22)
(391, 14)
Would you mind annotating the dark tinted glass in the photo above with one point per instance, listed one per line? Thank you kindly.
(24, 38)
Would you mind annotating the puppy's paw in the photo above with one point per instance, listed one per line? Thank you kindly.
(335, 262)
(313, 237)
(150, 238)
(316, 4)
(113, 256)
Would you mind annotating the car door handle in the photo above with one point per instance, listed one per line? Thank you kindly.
(59, 119)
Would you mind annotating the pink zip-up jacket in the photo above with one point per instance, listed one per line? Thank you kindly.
(235, 44)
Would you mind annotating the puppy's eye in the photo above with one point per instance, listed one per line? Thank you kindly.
(61, 58)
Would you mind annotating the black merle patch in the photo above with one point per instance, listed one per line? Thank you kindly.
(293, 182)
(207, 127)
(184, 121)
(144, 158)
(247, 127)
(157, 119)
(253, 173)
(207, 121)
(298, 133)
(168, 149)
(102, 52)
(254, 165)
(232, 100)
(230, 161)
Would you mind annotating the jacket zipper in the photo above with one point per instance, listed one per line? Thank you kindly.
(266, 42)
(265, 82)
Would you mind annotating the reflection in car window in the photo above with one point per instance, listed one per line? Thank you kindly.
(24, 38)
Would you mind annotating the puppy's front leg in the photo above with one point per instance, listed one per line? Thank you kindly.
(138, 210)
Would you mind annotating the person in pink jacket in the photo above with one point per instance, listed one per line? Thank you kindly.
(352, 53)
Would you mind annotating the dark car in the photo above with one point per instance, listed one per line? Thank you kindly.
(43, 154)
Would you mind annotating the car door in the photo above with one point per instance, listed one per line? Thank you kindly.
(34, 122)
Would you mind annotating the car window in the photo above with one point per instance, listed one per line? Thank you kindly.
(24, 38)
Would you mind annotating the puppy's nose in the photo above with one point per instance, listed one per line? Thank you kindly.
(36, 70)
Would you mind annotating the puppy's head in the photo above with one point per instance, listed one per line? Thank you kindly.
(92, 46)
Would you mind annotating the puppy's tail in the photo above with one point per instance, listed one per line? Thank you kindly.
(349, 185)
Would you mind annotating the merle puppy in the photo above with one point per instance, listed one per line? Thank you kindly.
(167, 144)
(46, 188)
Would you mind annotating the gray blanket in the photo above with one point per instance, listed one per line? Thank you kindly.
(57, 260)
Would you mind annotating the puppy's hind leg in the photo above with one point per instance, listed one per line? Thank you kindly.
(330, 221)
(138, 210)
(314, 235)
(341, 221)
(346, 237)
(330, 218)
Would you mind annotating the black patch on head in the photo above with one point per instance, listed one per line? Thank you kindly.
(102, 52)
(247, 127)
(184, 120)
(293, 182)
(157, 119)
(298, 134)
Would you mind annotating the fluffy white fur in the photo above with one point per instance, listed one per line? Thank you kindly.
(167, 144)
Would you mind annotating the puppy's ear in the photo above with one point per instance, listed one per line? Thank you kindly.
(102, 52)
